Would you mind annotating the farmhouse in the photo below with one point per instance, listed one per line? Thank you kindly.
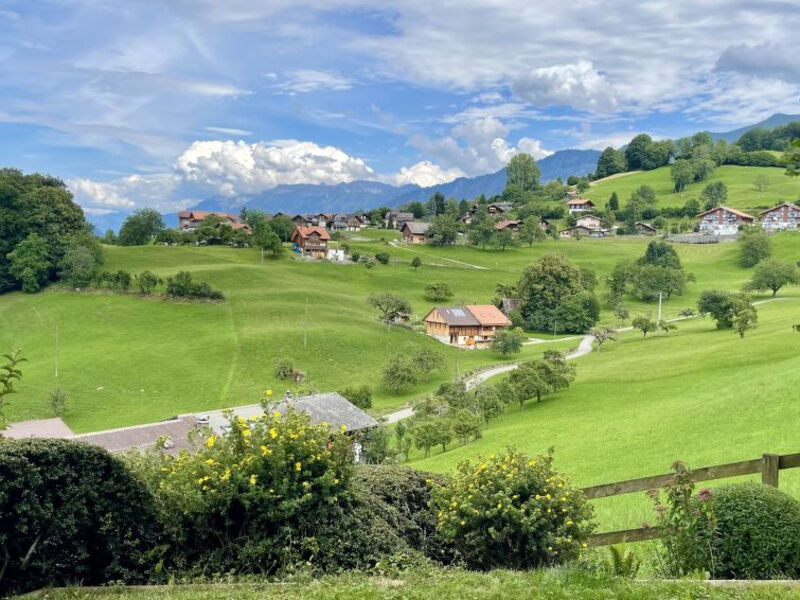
(781, 217)
(191, 220)
(498, 208)
(588, 221)
(645, 229)
(394, 220)
(471, 326)
(723, 220)
(301, 220)
(415, 232)
(579, 205)
(311, 241)
(507, 225)
(580, 231)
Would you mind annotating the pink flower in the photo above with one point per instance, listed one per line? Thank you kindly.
(705, 495)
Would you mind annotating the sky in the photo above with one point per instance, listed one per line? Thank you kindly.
(161, 103)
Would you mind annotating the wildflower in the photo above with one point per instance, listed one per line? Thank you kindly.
(227, 475)
(209, 461)
(273, 433)
(298, 466)
(704, 495)
(531, 463)
(253, 478)
(584, 545)
(568, 523)
(268, 392)
(210, 442)
(276, 414)
(265, 451)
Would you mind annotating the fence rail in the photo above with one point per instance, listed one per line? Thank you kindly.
(769, 465)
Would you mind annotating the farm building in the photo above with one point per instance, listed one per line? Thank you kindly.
(471, 326)
(507, 225)
(301, 220)
(588, 221)
(781, 217)
(579, 205)
(394, 220)
(581, 231)
(311, 241)
(191, 220)
(723, 220)
(415, 232)
(499, 208)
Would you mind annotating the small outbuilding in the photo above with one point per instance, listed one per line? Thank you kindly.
(415, 232)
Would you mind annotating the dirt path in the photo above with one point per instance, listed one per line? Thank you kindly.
(452, 260)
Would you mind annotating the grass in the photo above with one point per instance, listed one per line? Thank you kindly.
(443, 584)
(742, 192)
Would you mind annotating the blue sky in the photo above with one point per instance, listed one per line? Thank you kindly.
(162, 103)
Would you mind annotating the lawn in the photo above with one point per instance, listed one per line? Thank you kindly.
(742, 191)
(443, 584)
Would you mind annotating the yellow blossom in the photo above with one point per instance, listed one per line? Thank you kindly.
(584, 545)
(273, 433)
(568, 523)
(268, 392)
(209, 461)
(298, 466)
(210, 442)
(253, 479)
(246, 433)
(265, 451)
(276, 414)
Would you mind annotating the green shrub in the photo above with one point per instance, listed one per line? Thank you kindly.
(359, 395)
(70, 512)
(756, 531)
(382, 257)
(438, 291)
(182, 286)
(511, 512)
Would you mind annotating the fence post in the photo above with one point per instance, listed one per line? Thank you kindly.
(770, 469)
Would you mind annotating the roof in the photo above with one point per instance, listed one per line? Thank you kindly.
(646, 226)
(199, 215)
(510, 304)
(304, 232)
(488, 314)
(142, 436)
(581, 201)
(734, 211)
(399, 216)
(331, 408)
(500, 225)
(503, 206)
(416, 227)
(791, 205)
(38, 428)
(576, 228)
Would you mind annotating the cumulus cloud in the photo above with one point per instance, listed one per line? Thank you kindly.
(578, 84)
(425, 174)
(87, 191)
(311, 80)
(232, 168)
(155, 190)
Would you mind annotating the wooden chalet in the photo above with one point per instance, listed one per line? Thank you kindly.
(579, 205)
(507, 225)
(471, 326)
(191, 220)
(724, 220)
(311, 241)
(394, 220)
(580, 231)
(645, 228)
(589, 221)
(415, 232)
(785, 216)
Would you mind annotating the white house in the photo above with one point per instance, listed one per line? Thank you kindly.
(781, 217)
(724, 220)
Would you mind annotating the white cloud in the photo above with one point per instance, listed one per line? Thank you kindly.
(579, 85)
(766, 60)
(424, 174)
(232, 168)
(229, 131)
(87, 191)
(533, 147)
(312, 80)
(156, 190)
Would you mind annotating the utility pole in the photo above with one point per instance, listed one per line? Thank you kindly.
(658, 321)
(305, 329)
(555, 326)
(56, 350)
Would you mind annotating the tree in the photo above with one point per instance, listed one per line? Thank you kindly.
(443, 230)
(613, 202)
(482, 232)
(427, 360)
(761, 183)
(360, 396)
(368, 263)
(791, 158)
(745, 317)
(432, 432)
(416, 262)
(399, 374)
(621, 312)
(78, 266)
(390, 306)
(489, 402)
(637, 154)
(523, 171)
(10, 375)
(602, 335)
(465, 425)
(719, 305)
(610, 162)
(140, 227)
(29, 263)
(771, 274)
(383, 257)
(146, 281)
(530, 231)
(714, 194)
(645, 324)
(541, 377)
(438, 291)
(754, 246)
(666, 326)
(661, 254)
(267, 239)
(507, 342)
(682, 173)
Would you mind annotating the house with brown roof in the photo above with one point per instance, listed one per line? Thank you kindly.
(579, 205)
(507, 225)
(785, 216)
(589, 221)
(415, 232)
(311, 241)
(580, 231)
(191, 220)
(724, 220)
(470, 326)
(645, 228)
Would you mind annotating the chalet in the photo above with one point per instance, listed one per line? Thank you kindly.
(580, 231)
(415, 232)
(191, 220)
(301, 220)
(645, 228)
(311, 241)
(471, 326)
(507, 225)
(466, 218)
(579, 205)
(323, 219)
(589, 221)
(394, 219)
(354, 223)
(723, 220)
(499, 208)
(339, 223)
(781, 217)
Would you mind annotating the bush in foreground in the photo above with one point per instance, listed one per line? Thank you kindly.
(70, 512)
(512, 512)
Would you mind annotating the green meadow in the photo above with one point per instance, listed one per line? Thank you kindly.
(741, 182)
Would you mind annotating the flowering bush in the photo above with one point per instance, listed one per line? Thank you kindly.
(513, 512)
(255, 499)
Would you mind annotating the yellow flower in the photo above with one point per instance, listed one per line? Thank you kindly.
(273, 433)
(253, 479)
(276, 414)
(584, 545)
(343, 428)
(531, 463)
(298, 466)
(265, 451)
(200, 481)
(246, 433)
(209, 461)
(210, 442)
(268, 392)
(568, 523)
(226, 475)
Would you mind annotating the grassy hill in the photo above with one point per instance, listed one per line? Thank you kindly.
(742, 192)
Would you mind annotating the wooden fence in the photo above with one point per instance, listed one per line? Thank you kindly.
(769, 465)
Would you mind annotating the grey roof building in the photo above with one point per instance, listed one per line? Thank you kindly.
(331, 408)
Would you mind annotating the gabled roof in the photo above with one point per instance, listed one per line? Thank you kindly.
(502, 206)
(199, 215)
(415, 227)
(580, 201)
(500, 225)
(791, 206)
(734, 211)
(646, 226)
(488, 315)
(305, 232)
(399, 216)
(330, 408)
